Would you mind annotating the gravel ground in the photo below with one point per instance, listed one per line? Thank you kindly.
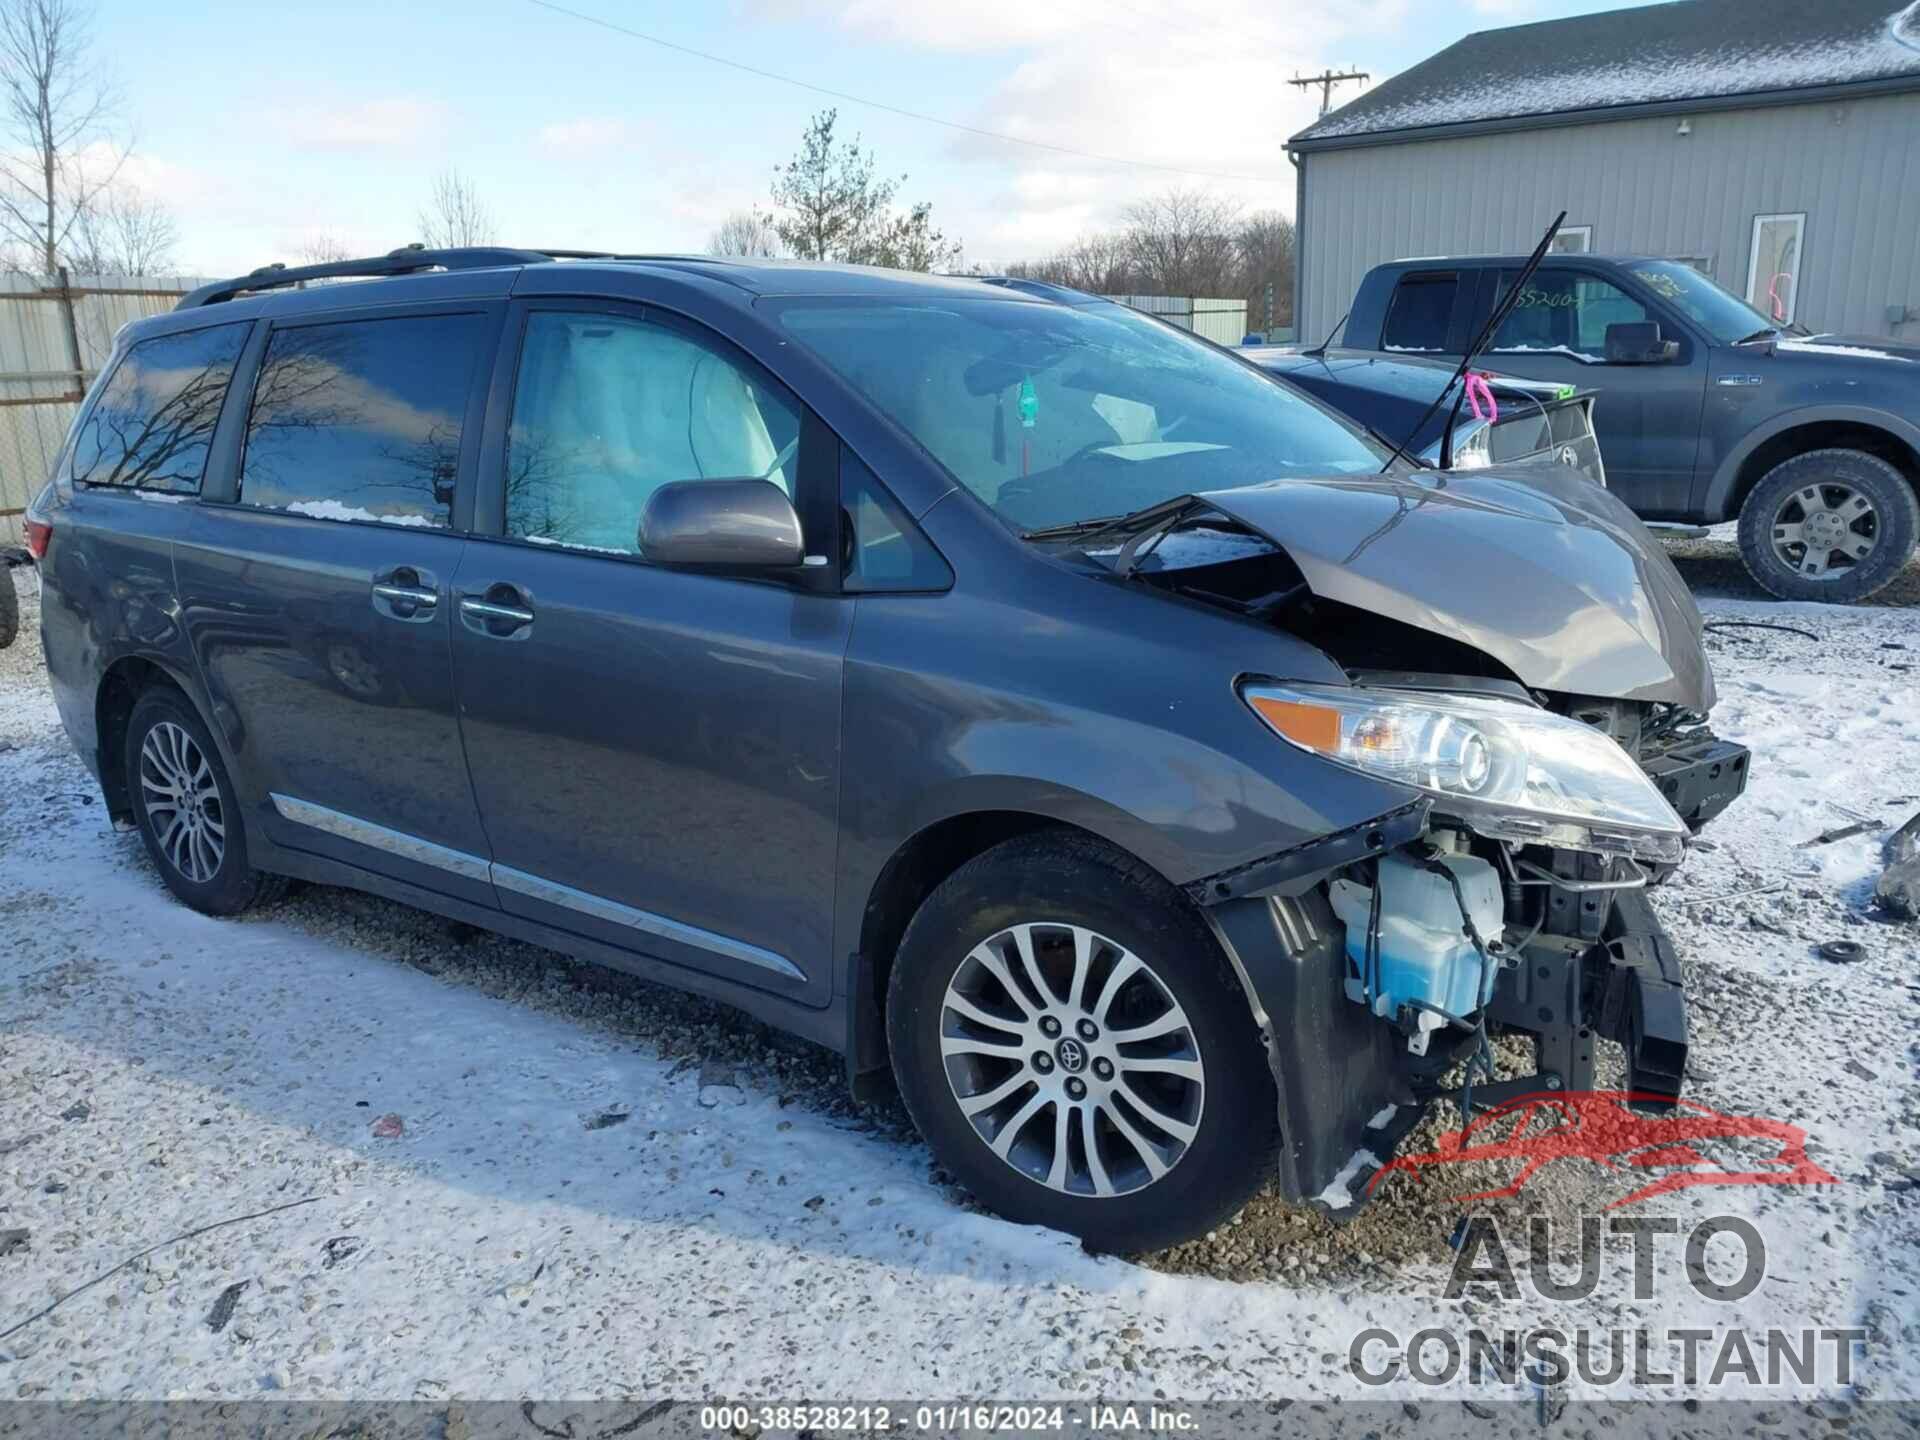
(1776, 1032)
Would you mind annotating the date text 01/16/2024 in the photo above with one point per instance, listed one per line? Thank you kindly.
(980, 1418)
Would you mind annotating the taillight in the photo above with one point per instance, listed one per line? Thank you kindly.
(38, 523)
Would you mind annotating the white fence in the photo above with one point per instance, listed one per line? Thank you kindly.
(55, 333)
(1222, 321)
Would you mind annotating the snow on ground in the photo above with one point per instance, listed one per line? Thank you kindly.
(595, 1188)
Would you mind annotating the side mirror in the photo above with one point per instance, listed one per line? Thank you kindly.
(1638, 342)
(731, 524)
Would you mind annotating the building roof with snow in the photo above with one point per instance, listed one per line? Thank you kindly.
(1660, 59)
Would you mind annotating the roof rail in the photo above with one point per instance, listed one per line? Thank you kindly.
(407, 260)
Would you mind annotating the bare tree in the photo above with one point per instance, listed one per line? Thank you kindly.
(1183, 242)
(54, 105)
(323, 247)
(456, 215)
(1265, 241)
(124, 231)
(746, 233)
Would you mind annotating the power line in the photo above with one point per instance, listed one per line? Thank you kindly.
(895, 109)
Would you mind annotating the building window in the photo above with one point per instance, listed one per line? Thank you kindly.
(1572, 240)
(1773, 272)
(1702, 263)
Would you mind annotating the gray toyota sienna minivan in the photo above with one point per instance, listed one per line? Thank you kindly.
(1012, 692)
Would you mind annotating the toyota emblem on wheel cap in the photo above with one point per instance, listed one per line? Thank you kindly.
(1072, 1056)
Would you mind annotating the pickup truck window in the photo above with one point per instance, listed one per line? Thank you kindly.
(1418, 316)
(1722, 316)
(1565, 312)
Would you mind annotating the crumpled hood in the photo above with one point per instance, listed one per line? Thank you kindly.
(1544, 571)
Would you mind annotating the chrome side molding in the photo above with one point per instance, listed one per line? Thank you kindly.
(379, 837)
(534, 887)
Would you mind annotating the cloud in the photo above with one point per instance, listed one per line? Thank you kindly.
(392, 121)
(1196, 95)
(591, 132)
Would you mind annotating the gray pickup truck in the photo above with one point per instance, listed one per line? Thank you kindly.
(1706, 410)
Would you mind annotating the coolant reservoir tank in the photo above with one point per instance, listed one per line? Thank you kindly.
(1425, 958)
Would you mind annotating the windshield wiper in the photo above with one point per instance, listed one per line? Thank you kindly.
(1138, 523)
(1769, 333)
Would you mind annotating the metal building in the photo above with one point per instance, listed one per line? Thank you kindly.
(1773, 144)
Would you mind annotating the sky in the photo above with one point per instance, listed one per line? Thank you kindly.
(264, 126)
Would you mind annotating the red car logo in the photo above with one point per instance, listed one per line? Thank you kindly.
(1600, 1126)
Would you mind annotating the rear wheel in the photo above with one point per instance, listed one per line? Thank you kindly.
(1832, 525)
(1075, 1048)
(186, 808)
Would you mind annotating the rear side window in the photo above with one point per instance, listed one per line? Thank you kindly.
(153, 424)
(1421, 311)
(361, 420)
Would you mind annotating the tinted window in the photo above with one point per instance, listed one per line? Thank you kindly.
(884, 549)
(1566, 312)
(606, 410)
(153, 424)
(361, 420)
(1421, 310)
(1057, 413)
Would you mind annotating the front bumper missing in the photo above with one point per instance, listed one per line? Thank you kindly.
(1700, 777)
(1348, 1094)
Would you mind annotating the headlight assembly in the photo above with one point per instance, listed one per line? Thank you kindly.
(1507, 770)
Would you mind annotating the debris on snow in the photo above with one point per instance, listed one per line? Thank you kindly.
(222, 1310)
(389, 1127)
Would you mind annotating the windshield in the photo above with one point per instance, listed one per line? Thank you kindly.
(1726, 319)
(1053, 414)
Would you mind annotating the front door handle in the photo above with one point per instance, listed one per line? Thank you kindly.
(487, 610)
(501, 612)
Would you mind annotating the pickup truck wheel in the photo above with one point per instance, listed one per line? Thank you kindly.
(1073, 1045)
(1832, 525)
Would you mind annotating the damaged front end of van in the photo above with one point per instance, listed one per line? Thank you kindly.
(1526, 666)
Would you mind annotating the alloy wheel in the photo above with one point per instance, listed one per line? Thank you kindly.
(1823, 531)
(182, 801)
(1072, 1059)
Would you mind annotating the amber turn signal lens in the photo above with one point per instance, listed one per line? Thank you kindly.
(1317, 727)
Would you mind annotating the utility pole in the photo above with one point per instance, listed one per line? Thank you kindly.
(1326, 81)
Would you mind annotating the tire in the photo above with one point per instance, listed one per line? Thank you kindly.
(202, 859)
(1872, 504)
(9, 607)
(1054, 888)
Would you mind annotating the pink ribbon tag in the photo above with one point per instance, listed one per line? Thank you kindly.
(1478, 391)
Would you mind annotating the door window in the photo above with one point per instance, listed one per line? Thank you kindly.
(153, 424)
(1773, 273)
(361, 420)
(1421, 311)
(1565, 312)
(608, 409)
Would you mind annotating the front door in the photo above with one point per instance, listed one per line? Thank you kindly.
(1647, 416)
(656, 752)
(318, 598)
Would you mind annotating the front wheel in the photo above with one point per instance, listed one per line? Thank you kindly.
(1834, 525)
(1072, 1043)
